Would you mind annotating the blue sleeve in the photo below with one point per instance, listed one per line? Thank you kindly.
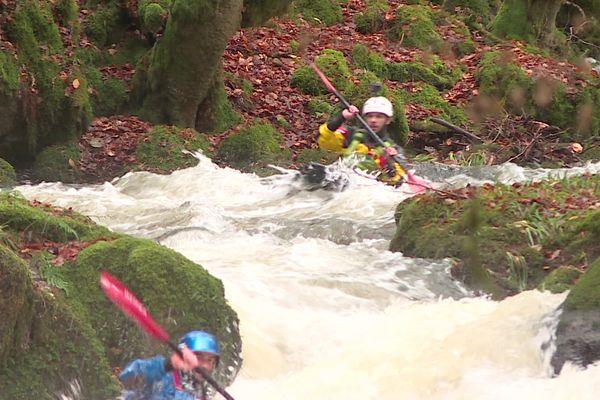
(152, 370)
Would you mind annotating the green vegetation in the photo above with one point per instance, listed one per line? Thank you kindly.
(8, 177)
(57, 325)
(372, 19)
(414, 26)
(319, 12)
(253, 148)
(513, 227)
(57, 163)
(163, 149)
(334, 66)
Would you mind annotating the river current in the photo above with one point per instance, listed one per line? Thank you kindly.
(326, 312)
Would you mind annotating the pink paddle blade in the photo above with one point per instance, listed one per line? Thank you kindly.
(416, 184)
(123, 298)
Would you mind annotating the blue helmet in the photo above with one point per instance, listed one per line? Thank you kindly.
(201, 341)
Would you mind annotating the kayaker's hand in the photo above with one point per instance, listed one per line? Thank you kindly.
(391, 151)
(350, 112)
(187, 363)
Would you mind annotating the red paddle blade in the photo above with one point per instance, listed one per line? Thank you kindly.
(119, 294)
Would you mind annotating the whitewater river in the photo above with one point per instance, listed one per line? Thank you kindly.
(326, 311)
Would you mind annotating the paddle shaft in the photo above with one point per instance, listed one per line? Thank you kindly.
(400, 160)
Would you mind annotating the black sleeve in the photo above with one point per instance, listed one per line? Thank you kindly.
(168, 365)
(335, 121)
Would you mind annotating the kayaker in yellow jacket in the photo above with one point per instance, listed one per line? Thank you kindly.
(338, 136)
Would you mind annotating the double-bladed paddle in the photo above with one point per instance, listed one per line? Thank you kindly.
(123, 298)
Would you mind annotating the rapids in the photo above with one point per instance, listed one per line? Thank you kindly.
(325, 310)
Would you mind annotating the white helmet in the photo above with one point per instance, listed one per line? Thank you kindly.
(379, 105)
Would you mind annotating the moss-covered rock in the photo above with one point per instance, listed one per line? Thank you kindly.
(500, 78)
(180, 294)
(560, 280)
(316, 12)
(112, 97)
(371, 61)
(512, 236)
(8, 177)
(106, 25)
(254, 147)
(430, 98)
(50, 338)
(57, 163)
(162, 150)
(316, 155)
(153, 15)
(372, 19)
(414, 26)
(333, 64)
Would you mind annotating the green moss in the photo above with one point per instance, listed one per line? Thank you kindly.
(430, 98)
(218, 114)
(68, 11)
(508, 228)
(417, 71)
(414, 26)
(500, 78)
(162, 150)
(16, 214)
(105, 25)
(370, 61)
(586, 294)
(398, 128)
(9, 73)
(257, 144)
(257, 12)
(319, 106)
(333, 64)
(179, 294)
(560, 280)
(153, 17)
(553, 104)
(316, 12)
(112, 97)
(373, 18)
(53, 164)
(512, 21)
(15, 292)
(8, 177)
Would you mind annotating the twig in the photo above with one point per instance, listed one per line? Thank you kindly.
(472, 137)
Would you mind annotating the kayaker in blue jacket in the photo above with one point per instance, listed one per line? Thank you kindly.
(159, 378)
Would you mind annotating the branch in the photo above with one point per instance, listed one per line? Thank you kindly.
(469, 135)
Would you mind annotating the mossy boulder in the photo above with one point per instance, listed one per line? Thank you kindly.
(319, 12)
(164, 149)
(505, 226)
(106, 24)
(253, 148)
(333, 64)
(415, 27)
(57, 163)
(430, 98)
(371, 61)
(372, 19)
(58, 326)
(560, 280)
(54, 105)
(577, 334)
(8, 177)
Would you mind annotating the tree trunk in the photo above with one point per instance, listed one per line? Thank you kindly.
(531, 20)
(184, 61)
(543, 17)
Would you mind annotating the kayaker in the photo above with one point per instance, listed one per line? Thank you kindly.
(342, 138)
(173, 378)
